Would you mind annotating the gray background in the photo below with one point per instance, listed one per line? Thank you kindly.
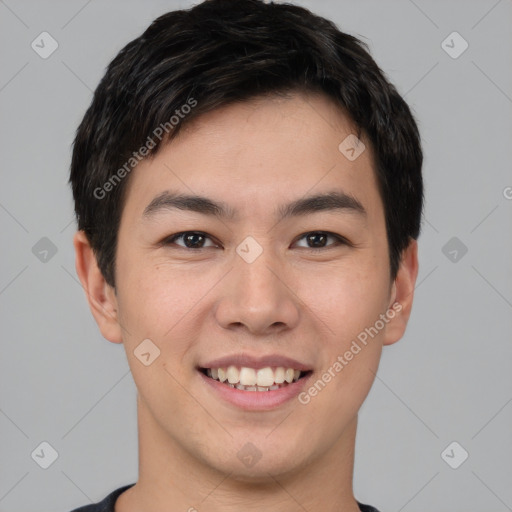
(448, 379)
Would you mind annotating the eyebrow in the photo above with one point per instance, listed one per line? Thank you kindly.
(329, 201)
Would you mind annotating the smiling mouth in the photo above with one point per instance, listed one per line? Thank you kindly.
(250, 379)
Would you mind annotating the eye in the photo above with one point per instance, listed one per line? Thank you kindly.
(318, 240)
(315, 240)
(191, 240)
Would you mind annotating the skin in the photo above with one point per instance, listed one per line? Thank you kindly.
(197, 306)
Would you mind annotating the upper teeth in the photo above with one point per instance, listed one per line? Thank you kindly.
(264, 377)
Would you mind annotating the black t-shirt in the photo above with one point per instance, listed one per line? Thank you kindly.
(107, 505)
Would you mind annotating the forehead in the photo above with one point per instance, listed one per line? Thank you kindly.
(268, 150)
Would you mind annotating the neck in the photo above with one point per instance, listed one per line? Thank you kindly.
(171, 479)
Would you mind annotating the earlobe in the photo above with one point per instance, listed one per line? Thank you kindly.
(100, 295)
(402, 294)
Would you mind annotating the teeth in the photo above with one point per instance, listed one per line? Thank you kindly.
(250, 379)
(222, 374)
(265, 377)
(279, 375)
(233, 374)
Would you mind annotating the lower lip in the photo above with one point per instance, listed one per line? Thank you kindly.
(256, 400)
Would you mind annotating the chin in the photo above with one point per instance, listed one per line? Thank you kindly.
(254, 466)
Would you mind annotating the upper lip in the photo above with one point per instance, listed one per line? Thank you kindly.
(272, 360)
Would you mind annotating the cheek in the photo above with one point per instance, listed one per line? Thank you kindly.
(158, 303)
(348, 305)
(345, 300)
(348, 365)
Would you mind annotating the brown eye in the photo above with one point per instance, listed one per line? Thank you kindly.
(318, 240)
(190, 239)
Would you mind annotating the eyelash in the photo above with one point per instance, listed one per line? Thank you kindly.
(339, 240)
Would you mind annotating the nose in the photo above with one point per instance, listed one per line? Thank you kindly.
(258, 297)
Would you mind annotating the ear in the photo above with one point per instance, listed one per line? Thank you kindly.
(100, 295)
(402, 294)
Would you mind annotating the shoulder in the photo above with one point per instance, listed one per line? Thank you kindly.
(106, 505)
(366, 508)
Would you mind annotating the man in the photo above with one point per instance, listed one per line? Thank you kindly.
(248, 192)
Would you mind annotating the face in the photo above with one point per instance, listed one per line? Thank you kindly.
(278, 281)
